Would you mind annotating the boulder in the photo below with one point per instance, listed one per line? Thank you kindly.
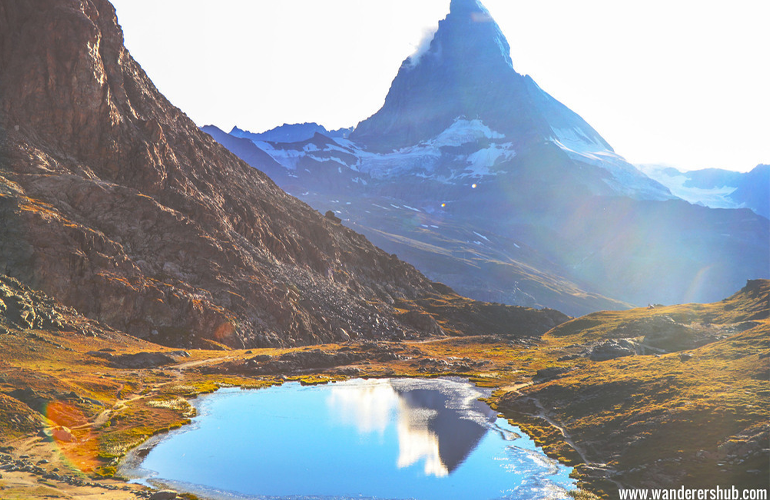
(164, 495)
(141, 360)
(611, 349)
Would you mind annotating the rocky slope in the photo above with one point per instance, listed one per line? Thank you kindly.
(114, 202)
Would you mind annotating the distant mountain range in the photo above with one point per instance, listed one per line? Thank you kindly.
(292, 133)
(482, 180)
(717, 188)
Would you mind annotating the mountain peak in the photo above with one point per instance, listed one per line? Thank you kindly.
(475, 33)
(472, 8)
(467, 72)
(466, 6)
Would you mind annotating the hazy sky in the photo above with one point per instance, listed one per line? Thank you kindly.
(681, 82)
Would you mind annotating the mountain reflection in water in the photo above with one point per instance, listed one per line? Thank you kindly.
(440, 428)
(423, 439)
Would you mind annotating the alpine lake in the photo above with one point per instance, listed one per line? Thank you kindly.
(422, 439)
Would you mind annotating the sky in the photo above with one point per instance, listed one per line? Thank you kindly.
(684, 83)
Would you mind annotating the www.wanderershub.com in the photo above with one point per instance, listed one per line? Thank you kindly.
(682, 493)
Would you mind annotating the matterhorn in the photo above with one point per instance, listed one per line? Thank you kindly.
(484, 181)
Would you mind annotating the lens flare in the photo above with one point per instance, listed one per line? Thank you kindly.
(698, 284)
(71, 433)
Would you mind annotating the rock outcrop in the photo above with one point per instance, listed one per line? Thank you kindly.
(112, 201)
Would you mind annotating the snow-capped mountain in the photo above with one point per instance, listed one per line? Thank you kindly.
(481, 179)
(467, 151)
(467, 71)
(467, 74)
(717, 188)
(460, 113)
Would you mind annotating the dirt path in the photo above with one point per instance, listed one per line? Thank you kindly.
(174, 370)
(515, 388)
(543, 413)
(190, 364)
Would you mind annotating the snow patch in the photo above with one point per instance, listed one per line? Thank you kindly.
(331, 158)
(425, 160)
(482, 160)
(288, 158)
(576, 140)
(408, 160)
(334, 147)
(422, 159)
(626, 179)
(345, 143)
(463, 131)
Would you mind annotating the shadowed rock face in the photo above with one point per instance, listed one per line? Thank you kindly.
(112, 201)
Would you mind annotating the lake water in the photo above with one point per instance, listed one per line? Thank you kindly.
(427, 439)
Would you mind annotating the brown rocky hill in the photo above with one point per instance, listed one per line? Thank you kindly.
(113, 202)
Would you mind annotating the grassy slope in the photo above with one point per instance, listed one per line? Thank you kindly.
(698, 417)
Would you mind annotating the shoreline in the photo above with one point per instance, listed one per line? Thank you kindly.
(576, 393)
(200, 376)
(130, 465)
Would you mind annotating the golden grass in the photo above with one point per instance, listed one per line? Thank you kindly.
(630, 412)
(666, 417)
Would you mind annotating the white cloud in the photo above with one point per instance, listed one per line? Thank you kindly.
(424, 45)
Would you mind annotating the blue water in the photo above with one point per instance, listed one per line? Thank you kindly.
(386, 439)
